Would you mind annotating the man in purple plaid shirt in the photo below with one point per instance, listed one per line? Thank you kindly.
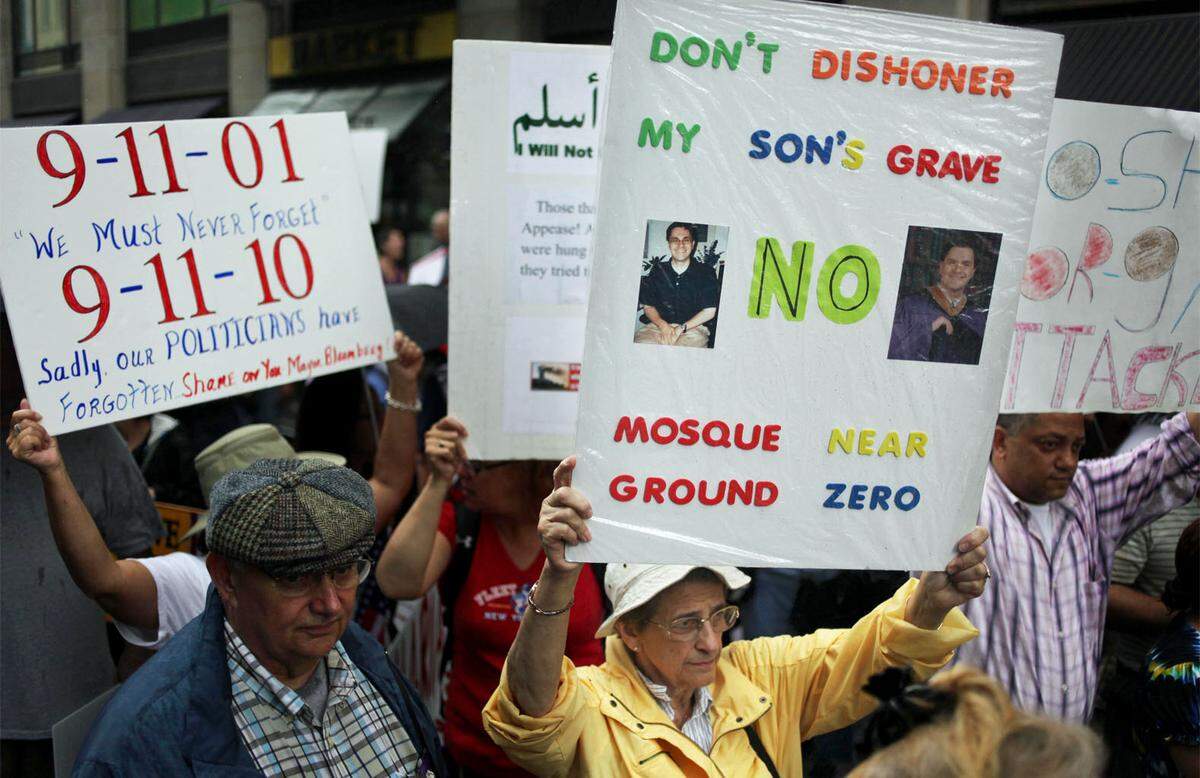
(1055, 523)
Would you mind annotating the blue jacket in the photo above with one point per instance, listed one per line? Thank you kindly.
(173, 717)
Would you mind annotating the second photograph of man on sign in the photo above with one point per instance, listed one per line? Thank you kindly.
(945, 291)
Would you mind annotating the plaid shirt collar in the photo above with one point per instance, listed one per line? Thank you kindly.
(285, 700)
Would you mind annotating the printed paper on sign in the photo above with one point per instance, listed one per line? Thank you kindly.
(811, 225)
(558, 90)
(156, 265)
(1109, 318)
(523, 184)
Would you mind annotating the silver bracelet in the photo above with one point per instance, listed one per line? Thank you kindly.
(533, 605)
(392, 402)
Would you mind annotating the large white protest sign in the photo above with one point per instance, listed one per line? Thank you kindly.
(525, 132)
(1108, 318)
(831, 207)
(154, 265)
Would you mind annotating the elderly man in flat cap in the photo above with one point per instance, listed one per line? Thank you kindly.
(273, 677)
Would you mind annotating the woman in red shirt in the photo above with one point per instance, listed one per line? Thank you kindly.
(506, 560)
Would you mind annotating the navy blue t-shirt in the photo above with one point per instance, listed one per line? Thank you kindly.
(679, 296)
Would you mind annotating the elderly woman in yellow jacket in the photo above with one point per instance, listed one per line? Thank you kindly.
(669, 700)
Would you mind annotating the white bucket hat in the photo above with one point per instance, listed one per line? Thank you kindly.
(630, 586)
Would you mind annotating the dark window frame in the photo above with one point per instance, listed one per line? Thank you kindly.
(209, 28)
(64, 56)
(209, 6)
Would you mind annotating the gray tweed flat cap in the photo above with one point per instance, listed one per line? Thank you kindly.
(291, 517)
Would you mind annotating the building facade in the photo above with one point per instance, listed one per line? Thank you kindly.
(386, 63)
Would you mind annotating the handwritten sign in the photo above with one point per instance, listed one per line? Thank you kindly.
(1108, 318)
(811, 226)
(523, 178)
(155, 265)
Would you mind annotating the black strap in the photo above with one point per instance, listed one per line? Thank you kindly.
(466, 535)
(760, 751)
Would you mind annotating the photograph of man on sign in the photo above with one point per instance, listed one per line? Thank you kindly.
(680, 291)
(942, 318)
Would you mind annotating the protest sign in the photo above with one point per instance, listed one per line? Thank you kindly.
(370, 150)
(831, 206)
(525, 139)
(1108, 318)
(154, 265)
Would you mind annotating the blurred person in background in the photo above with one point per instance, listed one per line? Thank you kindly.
(1136, 617)
(485, 553)
(433, 269)
(961, 724)
(1170, 702)
(391, 243)
(54, 654)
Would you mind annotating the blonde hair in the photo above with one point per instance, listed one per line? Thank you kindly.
(983, 736)
(1039, 746)
(960, 743)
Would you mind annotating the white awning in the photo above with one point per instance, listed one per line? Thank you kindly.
(390, 107)
(397, 105)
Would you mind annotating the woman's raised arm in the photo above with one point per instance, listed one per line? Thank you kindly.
(535, 659)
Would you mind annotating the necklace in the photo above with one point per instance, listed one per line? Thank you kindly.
(955, 302)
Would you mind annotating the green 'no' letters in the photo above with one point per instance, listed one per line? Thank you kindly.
(787, 282)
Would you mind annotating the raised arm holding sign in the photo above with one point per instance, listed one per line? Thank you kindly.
(665, 632)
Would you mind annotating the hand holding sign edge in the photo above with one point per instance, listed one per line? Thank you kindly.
(563, 519)
(29, 442)
(963, 579)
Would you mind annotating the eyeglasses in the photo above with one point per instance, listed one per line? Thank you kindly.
(347, 576)
(687, 628)
(680, 241)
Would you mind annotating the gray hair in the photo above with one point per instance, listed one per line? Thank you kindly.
(1013, 423)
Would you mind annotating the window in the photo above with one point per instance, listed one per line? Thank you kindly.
(150, 14)
(50, 21)
(44, 35)
(143, 14)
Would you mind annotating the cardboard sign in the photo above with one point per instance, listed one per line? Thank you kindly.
(370, 151)
(525, 132)
(154, 265)
(1108, 318)
(811, 225)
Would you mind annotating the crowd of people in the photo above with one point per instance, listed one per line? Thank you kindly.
(1060, 639)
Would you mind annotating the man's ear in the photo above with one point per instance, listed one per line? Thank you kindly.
(999, 443)
(222, 577)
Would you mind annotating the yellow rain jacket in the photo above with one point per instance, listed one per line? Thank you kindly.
(605, 723)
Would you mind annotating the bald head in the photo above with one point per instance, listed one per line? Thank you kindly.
(439, 225)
